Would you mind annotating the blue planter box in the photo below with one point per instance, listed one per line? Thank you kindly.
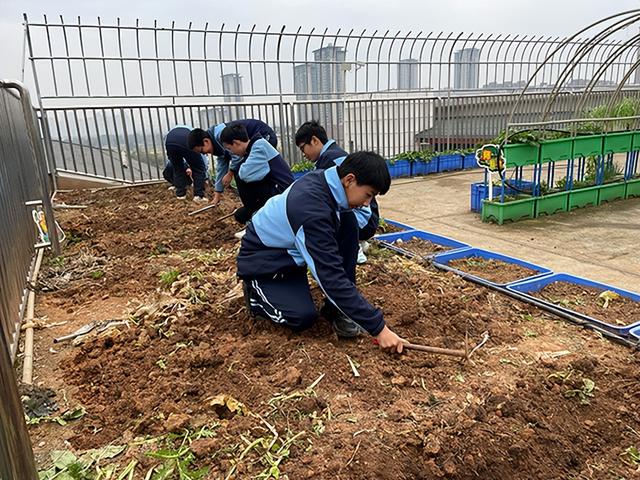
(297, 175)
(447, 163)
(445, 258)
(400, 168)
(389, 239)
(480, 191)
(424, 168)
(529, 286)
(635, 334)
(469, 161)
(399, 225)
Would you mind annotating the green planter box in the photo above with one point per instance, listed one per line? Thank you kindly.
(584, 197)
(508, 211)
(617, 142)
(587, 146)
(633, 188)
(611, 191)
(553, 150)
(519, 154)
(553, 203)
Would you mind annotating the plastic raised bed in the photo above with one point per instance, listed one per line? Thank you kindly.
(587, 146)
(447, 257)
(399, 168)
(470, 161)
(612, 191)
(402, 226)
(617, 142)
(509, 211)
(519, 154)
(480, 191)
(553, 203)
(447, 163)
(634, 333)
(389, 240)
(420, 167)
(533, 285)
(633, 188)
(584, 197)
(297, 175)
(554, 150)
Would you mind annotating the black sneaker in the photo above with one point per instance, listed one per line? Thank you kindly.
(342, 325)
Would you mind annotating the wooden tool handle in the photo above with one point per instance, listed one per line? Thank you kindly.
(437, 350)
(225, 216)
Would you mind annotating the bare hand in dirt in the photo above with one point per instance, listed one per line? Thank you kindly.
(217, 197)
(226, 180)
(389, 341)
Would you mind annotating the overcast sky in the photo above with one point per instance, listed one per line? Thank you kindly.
(539, 17)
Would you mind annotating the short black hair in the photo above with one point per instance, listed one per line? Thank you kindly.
(311, 129)
(234, 132)
(369, 168)
(196, 138)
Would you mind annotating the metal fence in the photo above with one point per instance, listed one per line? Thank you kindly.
(126, 143)
(74, 60)
(23, 186)
(109, 92)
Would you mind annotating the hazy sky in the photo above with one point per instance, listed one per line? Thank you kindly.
(539, 17)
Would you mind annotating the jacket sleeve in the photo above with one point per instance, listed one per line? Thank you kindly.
(318, 246)
(256, 166)
(222, 167)
(363, 215)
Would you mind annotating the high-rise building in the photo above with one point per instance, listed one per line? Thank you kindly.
(466, 69)
(322, 79)
(408, 74)
(232, 87)
(232, 90)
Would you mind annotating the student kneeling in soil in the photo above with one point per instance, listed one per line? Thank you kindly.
(208, 141)
(312, 140)
(260, 173)
(300, 229)
(187, 166)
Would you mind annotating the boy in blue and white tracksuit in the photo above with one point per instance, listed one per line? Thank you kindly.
(260, 173)
(186, 165)
(208, 141)
(299, 229)
(314, 143)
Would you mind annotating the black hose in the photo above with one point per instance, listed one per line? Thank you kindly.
(573, 318)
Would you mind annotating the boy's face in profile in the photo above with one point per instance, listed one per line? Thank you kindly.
(237, 148)
(312, 149)
(206, 147)
(357, 195)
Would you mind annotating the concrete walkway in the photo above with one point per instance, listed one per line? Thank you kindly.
(600, 243)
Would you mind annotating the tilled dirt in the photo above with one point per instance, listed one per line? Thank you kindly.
(542, 399)
(421, 247)
(493, 270)
(606, 306)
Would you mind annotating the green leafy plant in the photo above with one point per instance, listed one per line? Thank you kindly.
(168, 277)
(414, 156)
(627, 107)
(96, 274)
(303, 166)
(632, 454)
(584, 393)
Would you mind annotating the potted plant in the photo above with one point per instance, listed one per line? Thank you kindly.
(302, 168)
(410, 163)
(449, 160)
